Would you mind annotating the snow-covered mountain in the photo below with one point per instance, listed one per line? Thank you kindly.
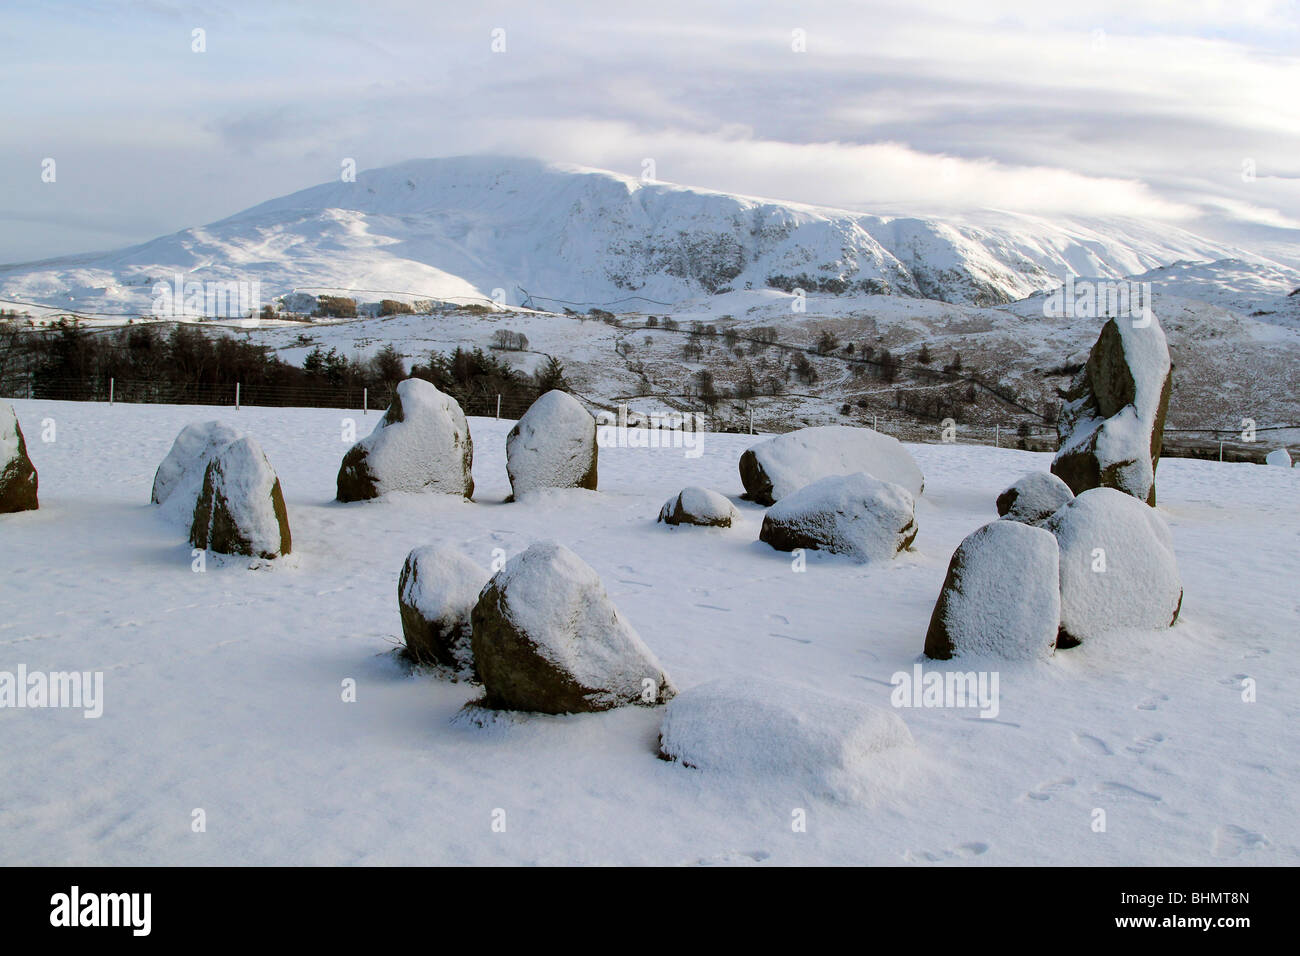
(459, 229)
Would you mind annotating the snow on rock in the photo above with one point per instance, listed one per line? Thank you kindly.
(1118, 568)
(552, 446)
(763, 729)
(1001, 598)
(421, 444)
(547, 638)
(240, 508)
(695, 505)
(436, 594)
(18, 480)
(857, 515)
(1278, 456)
(183, 468)
(1113, 420)
(784, 464)
(1034, 498)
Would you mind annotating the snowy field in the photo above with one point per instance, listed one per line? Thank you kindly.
(222, 689)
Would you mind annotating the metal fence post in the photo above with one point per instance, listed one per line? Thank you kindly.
(365, 401)
(997, 435)
(236, 396)
(498, 406)
(111, 383)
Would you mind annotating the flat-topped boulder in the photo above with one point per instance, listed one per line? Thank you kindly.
(18, 479)
(547, 638)
(855, 515)
(422, 444)
(779, 466)
(552, 446)
(1113, 421)
(240, 507)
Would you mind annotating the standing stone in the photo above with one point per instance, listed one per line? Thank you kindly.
(1034, 498)
(421, 444)
(240, 509)
(436, 595)
(552, 446)
(1113, 421)
(548, 639)
(17, 474)
(1001, 598)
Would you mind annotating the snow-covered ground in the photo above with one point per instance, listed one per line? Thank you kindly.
(223, 690)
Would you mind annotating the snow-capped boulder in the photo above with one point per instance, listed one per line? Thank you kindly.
(240, 508)
(1034, 498)
(183, 468)
(856, 515)
(695, 505)
(547, 638)
(552, 446)
(436, 594)
(18, 480)
(764, 730)
(773, 469)
(421, 444)
(1118, 568)
(1001, 598)
(1278, 456)
(1113, 420)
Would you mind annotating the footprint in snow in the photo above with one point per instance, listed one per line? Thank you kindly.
(1153, 703)
(1232, 840)
(1093, 744)
(963, 851)
(1141, 745)
(778, 619)
(1114, 789)
(1044, 791)
(797, 640)
(1234, 681)
(735, 858)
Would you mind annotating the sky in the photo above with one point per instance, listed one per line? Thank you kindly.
(1185, 111)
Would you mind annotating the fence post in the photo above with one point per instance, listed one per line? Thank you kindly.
(751, 420)
(997, 435)
(498, 406)
(1220, 449)
(236, 396)
(111, 383)
(365, 400)
(875, 423)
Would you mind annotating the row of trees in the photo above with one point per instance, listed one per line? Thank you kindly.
(69, 361)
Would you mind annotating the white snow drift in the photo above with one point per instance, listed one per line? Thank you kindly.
(755, 728)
